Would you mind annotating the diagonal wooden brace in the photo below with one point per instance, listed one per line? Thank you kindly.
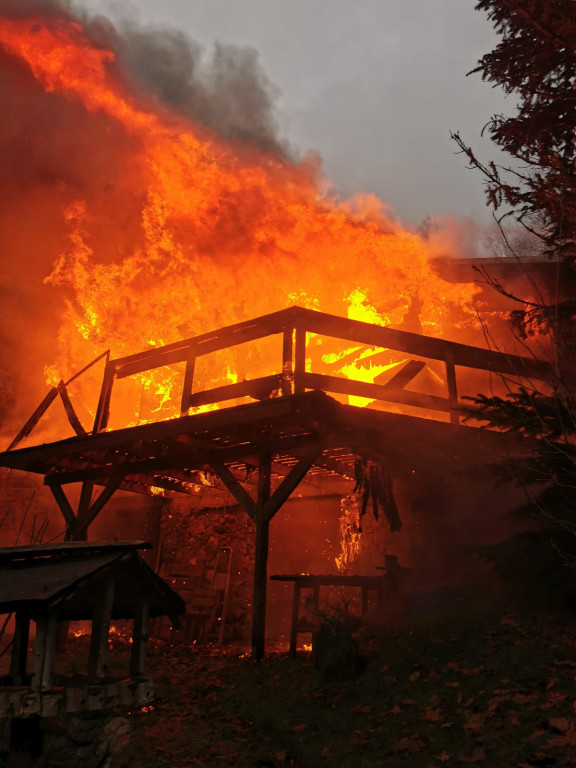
(290, 482)
(242, 496)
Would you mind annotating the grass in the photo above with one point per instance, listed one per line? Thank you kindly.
(496, 691)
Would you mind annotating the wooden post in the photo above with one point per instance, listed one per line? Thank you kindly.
(99, 636)
(300, 360)
(452, 388)
(20, 649)
(287, 364)
(294, 620)
(103, 409)
(39, 650)
(188, 382)
(139, 640)
(65, 508)
(50, 647)
(261, 560)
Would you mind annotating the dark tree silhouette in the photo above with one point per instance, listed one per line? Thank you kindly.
(535, 62)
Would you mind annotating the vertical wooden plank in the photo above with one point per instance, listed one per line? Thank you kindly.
(39, 648)
(188, 381)
(299, 360)
(103, 409)
(20, 649)
(50, 647)
(294, 619)
(287, 362)
(81, 531)
(99, 636)
(139, 641)
(261, 559)
(65, 508)
(452, 388)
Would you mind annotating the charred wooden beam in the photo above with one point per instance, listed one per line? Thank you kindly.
(290, 482)
(203, 344)
(71, 414)
(64, 506)
(375, 392)
(34, 419)
(405, 375)
(261, 559)
(99, 634)
(103, 408)
(238, 492)
(424, 346)
(259, 389)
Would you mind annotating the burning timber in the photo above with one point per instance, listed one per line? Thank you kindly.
(294, 435)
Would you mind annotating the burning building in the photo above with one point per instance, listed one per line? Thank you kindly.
(255, 339)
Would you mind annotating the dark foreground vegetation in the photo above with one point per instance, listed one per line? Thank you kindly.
(497, 690)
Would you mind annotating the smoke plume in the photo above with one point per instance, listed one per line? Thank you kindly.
(52, 152)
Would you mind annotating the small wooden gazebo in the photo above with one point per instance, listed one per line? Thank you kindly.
(76, 581)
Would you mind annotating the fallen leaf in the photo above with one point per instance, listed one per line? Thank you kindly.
(475, 722)
(414, 676)
(443, 757)
(300, 727)
(561, 724)
(409, 744)
(432, 715)
(326, 752)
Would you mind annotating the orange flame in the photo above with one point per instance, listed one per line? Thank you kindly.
(223, 233)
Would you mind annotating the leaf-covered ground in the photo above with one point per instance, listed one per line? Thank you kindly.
(497, 691)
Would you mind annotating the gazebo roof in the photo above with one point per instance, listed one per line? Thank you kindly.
(71, 576)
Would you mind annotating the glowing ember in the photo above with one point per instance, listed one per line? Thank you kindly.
(212, 233)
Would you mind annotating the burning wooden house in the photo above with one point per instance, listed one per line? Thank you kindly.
(281, 433)
(169, 231)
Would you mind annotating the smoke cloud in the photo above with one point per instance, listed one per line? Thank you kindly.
(52, 152)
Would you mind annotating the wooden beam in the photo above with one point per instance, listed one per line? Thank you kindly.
(300, 360)
(204, 344)
(230, 481)
(19, 649)
(103, 409)
(139, 640)
(375, 392)
(39, 651)
(50, 649)
(71, 414)
(290, 483)
(405, 375)
(261, 560)
(64, 506)
(100, 631)
(287, 362)
(188, 381)
(258, 389)
(229, 418)
(452, 388)
(424, 346)
(34, 419)
(88, 517)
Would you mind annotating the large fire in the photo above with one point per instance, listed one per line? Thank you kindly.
(210, 233)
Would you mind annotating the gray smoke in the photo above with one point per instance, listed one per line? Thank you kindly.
(225, 90)
(53, 152)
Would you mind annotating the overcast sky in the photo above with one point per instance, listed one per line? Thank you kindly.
(374, 86)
